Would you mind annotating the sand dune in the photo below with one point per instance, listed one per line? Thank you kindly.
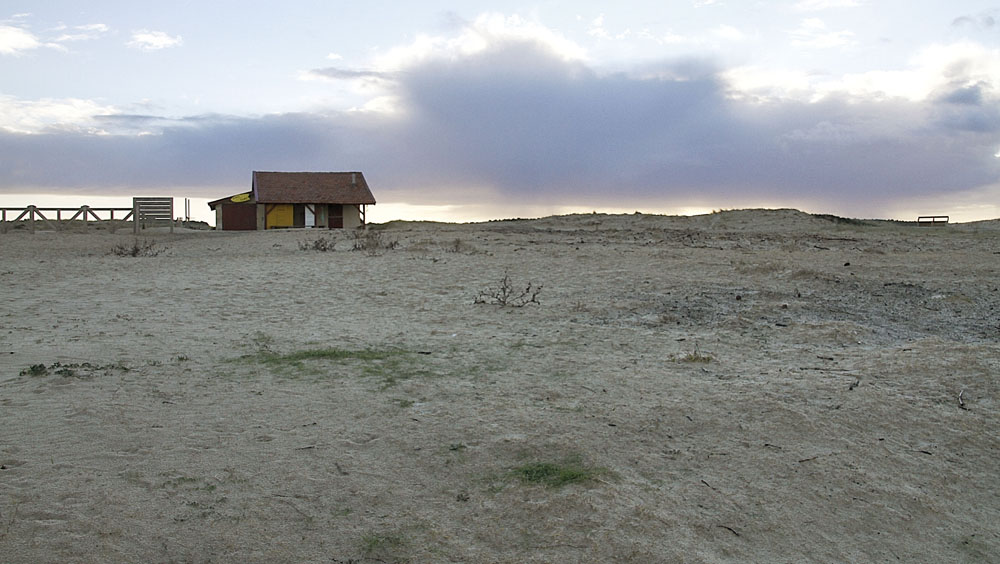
(746, 386)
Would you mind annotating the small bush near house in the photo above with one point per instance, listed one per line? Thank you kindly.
(373, 242)
(321, 243)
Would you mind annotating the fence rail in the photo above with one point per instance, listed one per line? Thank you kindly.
(53, 217)
(143, 211)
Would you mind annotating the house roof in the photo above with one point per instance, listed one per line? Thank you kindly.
(241, 198)
(311, 187)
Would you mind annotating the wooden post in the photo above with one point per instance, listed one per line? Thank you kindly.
(31, 214)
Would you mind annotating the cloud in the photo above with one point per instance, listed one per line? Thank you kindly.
(533, 126)
(729, 33)
(597, 29)
(14, 40)
(336, 73)
(983, 21)
(153, 40)
(50, 114)
(819, 5)
(83, 33)
(932, 72)
(515, 120)
(812, 33)
(485, 32)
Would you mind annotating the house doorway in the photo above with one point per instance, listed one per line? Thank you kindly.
(336, 216)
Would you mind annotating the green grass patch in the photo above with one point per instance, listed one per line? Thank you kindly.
(555, 475)
(326, 354)
(393, 370)
(377, 544)
(388, 366)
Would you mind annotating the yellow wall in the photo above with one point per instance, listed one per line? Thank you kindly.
(280, 215)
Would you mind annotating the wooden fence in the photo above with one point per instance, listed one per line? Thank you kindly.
(144, 211)
(53, 217)
(152, 211)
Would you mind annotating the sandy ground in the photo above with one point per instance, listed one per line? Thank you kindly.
(747, 386)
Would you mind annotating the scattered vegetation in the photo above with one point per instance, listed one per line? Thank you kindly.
(840, 220)
(326, 354)
(695, 357)
(136, 249)
(372, 242)
(380, 545)
(35, 370)
(392, 370)
(459, 246)
(321, 243)
(555, 475)
(262, 343)
(506, 293)
(389, 366)
(72, 370)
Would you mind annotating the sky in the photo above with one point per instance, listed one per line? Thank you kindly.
(479, 110)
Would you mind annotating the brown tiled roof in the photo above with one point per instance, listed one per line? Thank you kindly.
(311, 188)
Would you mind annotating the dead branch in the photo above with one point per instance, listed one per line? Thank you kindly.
(730, 529)
(507, 294)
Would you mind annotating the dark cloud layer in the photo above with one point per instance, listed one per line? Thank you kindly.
(535, 128)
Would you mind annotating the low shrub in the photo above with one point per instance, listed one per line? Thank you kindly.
(321, 243)
(373, 242)
(507, 294)
(137, 249)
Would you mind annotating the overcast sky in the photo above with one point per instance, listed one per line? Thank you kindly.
(475, 110)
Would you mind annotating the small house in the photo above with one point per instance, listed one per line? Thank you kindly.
(279, 200)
